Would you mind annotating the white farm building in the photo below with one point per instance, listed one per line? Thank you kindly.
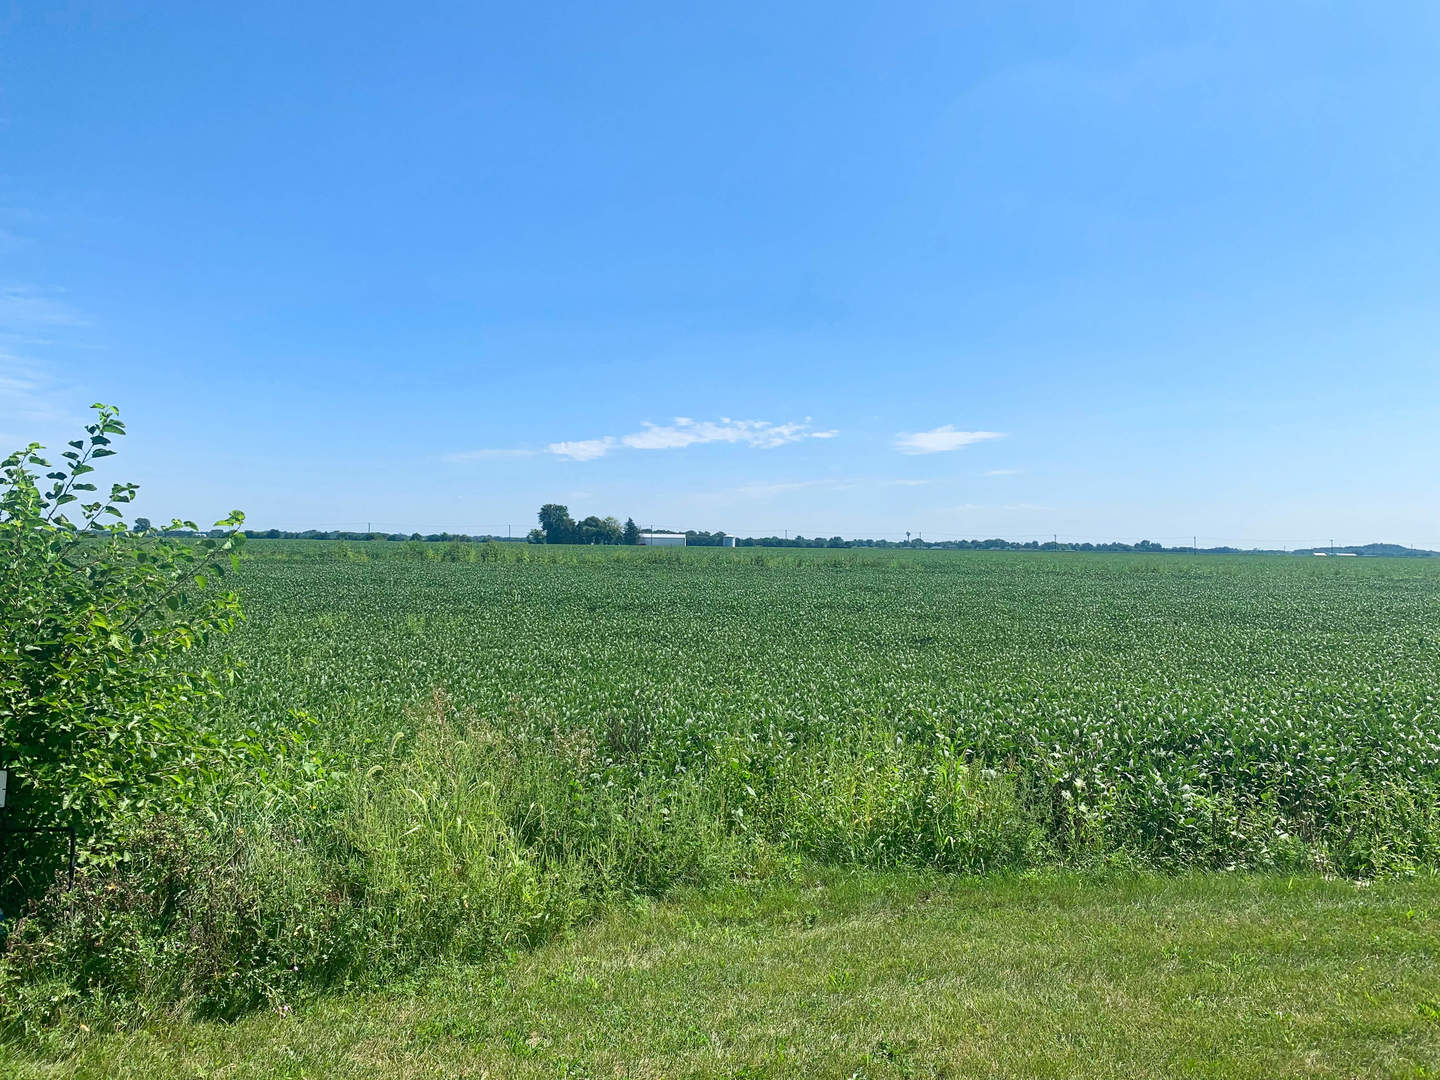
(659, 539)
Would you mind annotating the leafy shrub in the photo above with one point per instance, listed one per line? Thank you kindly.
(97, 702)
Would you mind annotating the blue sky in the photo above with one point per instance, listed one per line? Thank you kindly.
(1106, 271)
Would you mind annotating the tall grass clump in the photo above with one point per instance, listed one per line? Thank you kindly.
(876, 799)
(464, 841)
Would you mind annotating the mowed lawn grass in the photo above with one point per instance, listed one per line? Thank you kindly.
(837, 973)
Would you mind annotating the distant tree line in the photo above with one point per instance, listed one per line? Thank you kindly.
(949, 545)
(556, 526)
(1392, 550)
(345, 534)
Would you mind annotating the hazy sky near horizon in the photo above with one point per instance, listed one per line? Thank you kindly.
(1111, 271)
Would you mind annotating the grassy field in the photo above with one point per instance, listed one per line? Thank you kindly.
(893, 974)
(470, 751)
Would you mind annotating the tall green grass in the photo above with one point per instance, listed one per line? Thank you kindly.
(462, 841)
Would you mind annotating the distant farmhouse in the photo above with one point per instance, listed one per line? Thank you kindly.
(660, 539)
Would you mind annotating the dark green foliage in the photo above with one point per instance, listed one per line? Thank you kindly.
(558, 527)
(98, 681)
(556, 524)
(594, 530)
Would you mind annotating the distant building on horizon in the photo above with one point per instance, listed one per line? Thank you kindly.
(662, 539)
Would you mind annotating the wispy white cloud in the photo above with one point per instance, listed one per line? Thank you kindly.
(684, 431)
(676, 435)
(1007, 507)
(583, 449)
(1001, 472)
(940, 439)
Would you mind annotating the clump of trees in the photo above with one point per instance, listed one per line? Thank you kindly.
(558, 527)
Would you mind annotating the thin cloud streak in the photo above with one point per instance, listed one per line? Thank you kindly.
(679, 434)
(941, 439)
(683, 432)
(583, 449)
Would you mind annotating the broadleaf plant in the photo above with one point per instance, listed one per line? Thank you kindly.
(100, 688)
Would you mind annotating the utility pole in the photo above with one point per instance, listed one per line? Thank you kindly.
(1194, 545)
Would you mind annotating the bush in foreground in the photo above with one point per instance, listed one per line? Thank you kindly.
(98, 703)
